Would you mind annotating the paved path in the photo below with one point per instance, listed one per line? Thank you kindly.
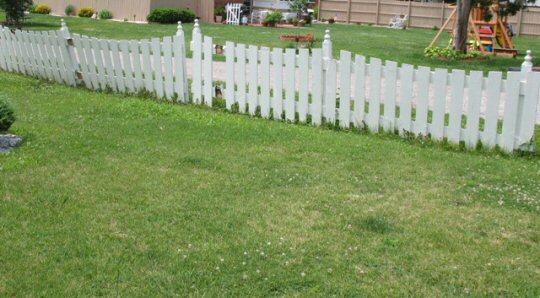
(220, 75)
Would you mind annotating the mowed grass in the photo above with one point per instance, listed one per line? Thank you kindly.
(114, 195)
(404, 46)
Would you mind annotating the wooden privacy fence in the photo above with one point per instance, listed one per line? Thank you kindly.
(155, 66)
(420, 14)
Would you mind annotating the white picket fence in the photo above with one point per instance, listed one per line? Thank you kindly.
(288, 85)
(45, 55)
(156, 66)
(284, 84)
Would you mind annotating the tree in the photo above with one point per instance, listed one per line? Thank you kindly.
(503, 7)
(15, 10)
(299, 6)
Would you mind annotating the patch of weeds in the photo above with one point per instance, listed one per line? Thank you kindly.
(377, 224)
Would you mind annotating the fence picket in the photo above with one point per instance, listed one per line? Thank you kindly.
(241, 78)
(277, 88)
(476, 79)
(375, 94)
(317, 93)
(137, 71)
(457, 81)
(51, 54)
(494, 85)
(36, 46)
(91, 62)
(303, 94)
(158, 67)
(197, 68)
(126, 66)
(147, 66)
(422, 103)
(390, 77)
(117, 63)
(405, 104)
(529, 107)
(229, 84)
(100, 69)
(253, 93)
(330, 94)
(82, 60)
(179, 59)
(360, 90)
(265, 82)
(513, 82)
(208, 71)
(440, 79)
(111, 77)
(290, 86)
(345, 86)
(168, 65)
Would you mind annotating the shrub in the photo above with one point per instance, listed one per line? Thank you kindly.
(220, 11)
(7, 116)
(86, 12)
(105, 14)
(43, 9)
(32, 8)
(331, 21)
(170, 16)
(274, 17)
(70, 10)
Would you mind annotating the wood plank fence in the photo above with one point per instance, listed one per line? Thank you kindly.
(156, 66)
(308, 87)
(420, 15)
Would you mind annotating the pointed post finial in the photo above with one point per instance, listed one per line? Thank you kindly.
(327, 45)
(64, 29)
(180, 29)
(197, 27)
(527, 65)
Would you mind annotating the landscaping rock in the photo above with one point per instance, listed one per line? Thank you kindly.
(9, 142)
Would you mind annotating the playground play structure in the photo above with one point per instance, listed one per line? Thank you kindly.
(493, 37)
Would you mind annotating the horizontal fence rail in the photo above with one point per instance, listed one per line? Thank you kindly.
(308, 86)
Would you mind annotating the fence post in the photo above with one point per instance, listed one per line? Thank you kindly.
(72, 61)
(181, 35)
(327, 45)
(526, 68)
(527, 65)
(196, 30)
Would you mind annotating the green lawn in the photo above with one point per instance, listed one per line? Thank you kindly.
(404, 46)
(115, 195)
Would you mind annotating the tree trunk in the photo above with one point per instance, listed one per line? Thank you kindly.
(462, 28)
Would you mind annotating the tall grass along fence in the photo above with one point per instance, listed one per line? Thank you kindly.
(156, 66)
(308, 86)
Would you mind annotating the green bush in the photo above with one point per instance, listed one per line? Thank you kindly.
(86, 12)
(170, 16)
(7, 116)
(70, 10)
(274, 17)
(105, 14)
(449, 54)
(43, 9)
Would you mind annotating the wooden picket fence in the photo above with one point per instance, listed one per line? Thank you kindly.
(43, 55)
(156, 66)
(303, 86)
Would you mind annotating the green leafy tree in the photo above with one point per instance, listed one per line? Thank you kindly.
(15, 10)
(299, 6)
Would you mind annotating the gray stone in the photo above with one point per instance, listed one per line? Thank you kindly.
(9, 142)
